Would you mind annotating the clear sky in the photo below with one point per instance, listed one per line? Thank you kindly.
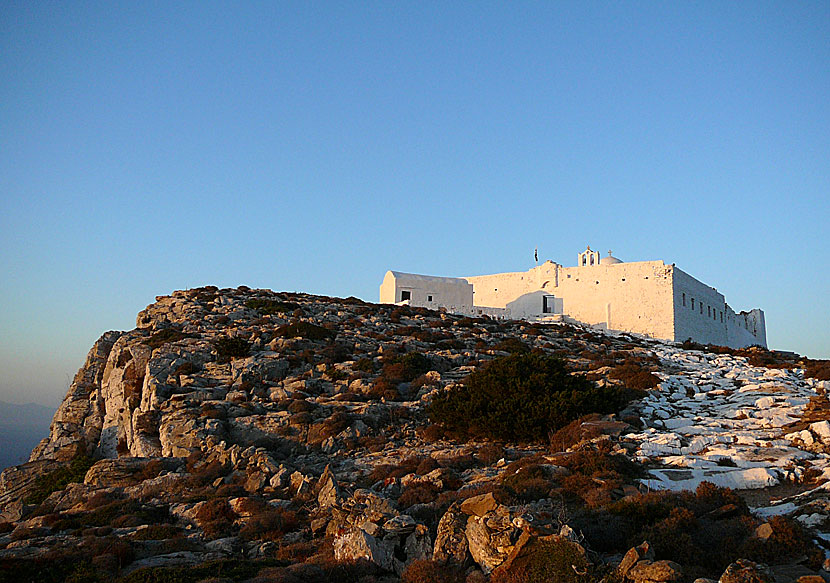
(147, 147)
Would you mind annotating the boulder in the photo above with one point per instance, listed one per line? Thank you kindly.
(358, 544)
(450, 538)
(744, 571)
(489, 549)
(634, 555)
(328, 493)
(479, 505)
(646, 571)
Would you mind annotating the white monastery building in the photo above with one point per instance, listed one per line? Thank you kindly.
(644, 297)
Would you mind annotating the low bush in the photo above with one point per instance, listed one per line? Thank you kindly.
(818, 369)
(512, 345)
(271, 525)
(522, 397)
(165, 336)
(270, 307)
(403, 369)
(552, 561)
(634, 376)
(307, 330)
(429, 571)
(56, 480)
(229, 348)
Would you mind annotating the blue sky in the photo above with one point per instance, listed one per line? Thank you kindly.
(311, 146)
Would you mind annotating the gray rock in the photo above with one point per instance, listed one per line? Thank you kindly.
(358, 544)
(328, 491)
(451, 538)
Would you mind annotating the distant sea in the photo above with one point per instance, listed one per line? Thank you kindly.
(21, 429)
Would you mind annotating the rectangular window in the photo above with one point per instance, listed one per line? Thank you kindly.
(701, 307)
(721, 316)
(429, 298)
(693, 303)
(406, 295)
(684, 300)
(709, 311)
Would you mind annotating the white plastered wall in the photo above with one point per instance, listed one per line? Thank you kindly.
(452, 293)
(703, 318)
(635, 297)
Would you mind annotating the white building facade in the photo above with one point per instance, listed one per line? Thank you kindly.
(645, 297)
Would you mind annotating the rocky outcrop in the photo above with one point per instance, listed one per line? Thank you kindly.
(76, 427)
(249, 424)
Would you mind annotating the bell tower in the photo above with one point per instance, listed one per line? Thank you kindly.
(587, 258)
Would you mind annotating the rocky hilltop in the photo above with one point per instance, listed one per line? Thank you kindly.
(248, 435)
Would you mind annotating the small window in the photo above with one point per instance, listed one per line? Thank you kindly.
(684, 299)
(429, 298)
(701, 307)
(721, 316)
(693, 303)
(623, 279)
(406, 295)
(709, 311)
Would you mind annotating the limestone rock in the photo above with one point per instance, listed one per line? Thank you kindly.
(646, 571)
(635, 554)
(479, 505)
(358, 544)
(744, 571)
(486, 552)
(328, 492)
(451, 538)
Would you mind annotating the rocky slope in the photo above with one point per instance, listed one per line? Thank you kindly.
(288, 433)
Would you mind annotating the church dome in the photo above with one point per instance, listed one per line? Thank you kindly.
(610, 260)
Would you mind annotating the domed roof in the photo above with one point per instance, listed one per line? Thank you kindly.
(610, 260)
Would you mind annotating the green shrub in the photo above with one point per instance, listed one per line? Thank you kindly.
(56, 480)
(305, 330)
(229, 348)
(512, 345)
(550, 561)
(270, 307)
(164, 336)
(521, 397)
(403, 369)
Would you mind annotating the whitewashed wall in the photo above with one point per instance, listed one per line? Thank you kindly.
(452, 293)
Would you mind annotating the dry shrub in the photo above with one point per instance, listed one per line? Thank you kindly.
(270, 525)
(574, 433)
(789, 540)
(553, 561)
(529, 483)
(216, 517)
(432, 432)
(818, 369)
(489, 453)
(428, 571)
(635, 376)
(426, 465)
(422, 493)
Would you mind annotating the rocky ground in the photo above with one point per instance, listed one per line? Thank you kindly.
(242, 434)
